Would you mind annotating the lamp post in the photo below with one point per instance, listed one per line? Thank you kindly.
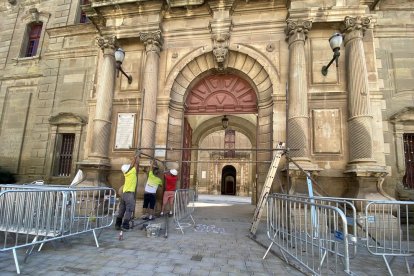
(119, 58)
(335, 42)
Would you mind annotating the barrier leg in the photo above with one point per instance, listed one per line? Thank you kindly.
(388, 266)
(408, 266)
(267, 251)
(96, 239)
(16, 262)
(29, 251)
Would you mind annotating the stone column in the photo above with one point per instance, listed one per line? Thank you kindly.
(153, 43)
(366, 175)
(360, 118)
(97, 165)
(298, 115)
(104, 96)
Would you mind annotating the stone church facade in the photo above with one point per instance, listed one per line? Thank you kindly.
(65, 104)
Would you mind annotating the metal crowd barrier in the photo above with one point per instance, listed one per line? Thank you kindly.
(389, 230)
(311, 235)
(184, 208)
(381, 228)
(32, 215)
(346, 207)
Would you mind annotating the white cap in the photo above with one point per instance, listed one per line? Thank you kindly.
(125, 168)
(173, 172)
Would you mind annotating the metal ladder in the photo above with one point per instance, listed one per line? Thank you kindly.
(266, 188)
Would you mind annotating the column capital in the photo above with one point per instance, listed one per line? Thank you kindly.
(152, 41)
(297, 29)
(356, 26)
(107, 43)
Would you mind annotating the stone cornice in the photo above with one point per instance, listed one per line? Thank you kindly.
(332, 14)
(72, 30)
(401, 30)
(74, 52)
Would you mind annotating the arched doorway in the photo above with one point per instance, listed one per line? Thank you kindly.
(228, 180)
(220, 96)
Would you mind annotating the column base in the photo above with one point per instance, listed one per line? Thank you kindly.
(297, 179)
(96, 173)
(366, 182)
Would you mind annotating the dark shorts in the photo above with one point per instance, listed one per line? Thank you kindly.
(149, 199)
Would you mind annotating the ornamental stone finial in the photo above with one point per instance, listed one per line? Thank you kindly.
(152, 41)
(107, 42)
(298, 28)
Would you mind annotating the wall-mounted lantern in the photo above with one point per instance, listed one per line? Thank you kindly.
(335, 42)
(119, 58)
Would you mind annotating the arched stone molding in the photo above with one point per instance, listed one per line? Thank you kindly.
(241, 57)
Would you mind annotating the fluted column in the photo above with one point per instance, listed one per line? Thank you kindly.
(153, 43)
(298, 117)
(360, 118)
(104, 96)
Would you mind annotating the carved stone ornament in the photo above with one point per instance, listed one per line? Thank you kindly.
(152, 40)
(297, 26)
(220, 48)
(107, 42)
(357, 23)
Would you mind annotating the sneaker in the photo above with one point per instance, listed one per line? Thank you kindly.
(170, 214)
(162, 214)
(144, 217)
(151, 218)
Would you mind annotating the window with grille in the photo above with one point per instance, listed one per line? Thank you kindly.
(229, 143)
(33, 36)
(83, 18)
(408, 179)
(65, 145)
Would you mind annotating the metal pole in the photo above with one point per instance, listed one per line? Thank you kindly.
(287, 138)
(211, 149)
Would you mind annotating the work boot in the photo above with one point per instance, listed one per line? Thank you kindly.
(118, 223)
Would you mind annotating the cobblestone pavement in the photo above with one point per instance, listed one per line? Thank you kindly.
(218, 245)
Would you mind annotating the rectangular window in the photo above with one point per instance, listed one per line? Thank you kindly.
(229, 143)
(33, 37)
(65, 145)
(408, 179)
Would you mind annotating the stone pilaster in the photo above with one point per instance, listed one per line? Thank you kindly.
(366, 175)
(97, 165)
(153, 43)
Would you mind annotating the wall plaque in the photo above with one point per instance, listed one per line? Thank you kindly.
(327, 131)
(125, 131)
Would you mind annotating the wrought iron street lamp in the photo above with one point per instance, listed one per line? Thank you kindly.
(119, 58)
(335, 42)
(225, 122)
